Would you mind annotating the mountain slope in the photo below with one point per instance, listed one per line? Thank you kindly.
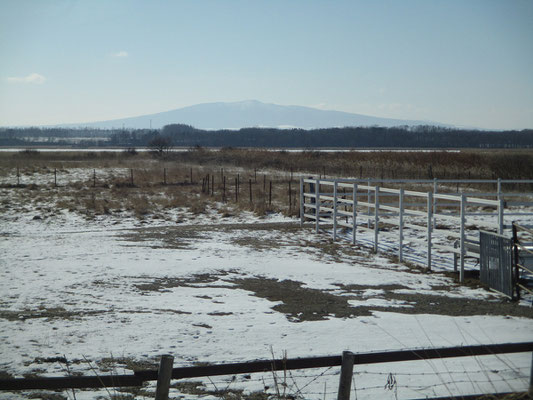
(250, 113)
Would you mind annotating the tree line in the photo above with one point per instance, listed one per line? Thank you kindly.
(180, 135)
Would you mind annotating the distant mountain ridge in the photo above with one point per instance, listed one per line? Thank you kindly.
(250, 113)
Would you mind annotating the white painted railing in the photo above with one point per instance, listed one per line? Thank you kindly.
(342, 203)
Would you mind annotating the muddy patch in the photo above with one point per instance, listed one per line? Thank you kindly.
(112, 364)
(176, 239)
(444, 305)
(257, 243)
(183, 237)
(352, 288)
(167, 283)
(299, 303)
(48, 314)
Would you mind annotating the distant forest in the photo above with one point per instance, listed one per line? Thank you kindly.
(180, 135)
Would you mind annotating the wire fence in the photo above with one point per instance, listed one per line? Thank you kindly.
(316, 377)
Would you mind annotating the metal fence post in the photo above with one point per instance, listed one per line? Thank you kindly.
(163, 377)
(530, 391)
(334, 210)
(429, 227)
(435, 191)
(499, 188)
(376, 218)
(462, 239)
(302, 201)
(317, 205)
(516, 271)
(455, 245)
(345, 382)
(501, 207)
(400, 206)
(354, 213)
(368, 201)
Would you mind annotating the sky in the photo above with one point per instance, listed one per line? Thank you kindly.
(462, 62)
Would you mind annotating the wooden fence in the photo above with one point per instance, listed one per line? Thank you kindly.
(364, 204)
(346, 361)
(246, 187)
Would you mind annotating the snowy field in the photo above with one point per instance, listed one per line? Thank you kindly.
(115, 292)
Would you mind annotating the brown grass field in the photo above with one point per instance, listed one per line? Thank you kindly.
(147, 183)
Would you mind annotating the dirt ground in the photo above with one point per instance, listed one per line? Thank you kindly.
(300, 303)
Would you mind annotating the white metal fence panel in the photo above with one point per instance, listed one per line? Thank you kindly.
(359, 204)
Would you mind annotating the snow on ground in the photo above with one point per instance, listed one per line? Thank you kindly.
(213, 289)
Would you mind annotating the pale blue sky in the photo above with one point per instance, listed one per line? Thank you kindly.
(461, 62)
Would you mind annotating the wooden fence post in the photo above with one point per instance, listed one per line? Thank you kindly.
(270, 194)
(429, 227)
(236, 191)
(55, 177)
(345, 382)
(212, 185)
(94, 177)
(18, 176)
(224, 190)
(163, 377)
(250, 186)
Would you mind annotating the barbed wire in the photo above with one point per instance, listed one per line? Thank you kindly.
(462, 372)
(248, 378)
(521, 377)
(467, 381)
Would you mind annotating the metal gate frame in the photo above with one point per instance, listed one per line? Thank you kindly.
(496, 261)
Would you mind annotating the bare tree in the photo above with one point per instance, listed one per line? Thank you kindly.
(161, 144)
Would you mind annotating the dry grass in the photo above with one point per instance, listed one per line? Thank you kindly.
(145, 185)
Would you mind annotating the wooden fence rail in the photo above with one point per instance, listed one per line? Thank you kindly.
(137, 379)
